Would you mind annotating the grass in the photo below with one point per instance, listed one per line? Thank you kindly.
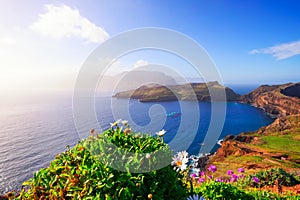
(284, 143)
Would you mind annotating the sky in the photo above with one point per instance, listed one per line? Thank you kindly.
(43, 44)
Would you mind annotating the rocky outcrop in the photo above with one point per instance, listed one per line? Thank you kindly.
(190, 92)
(279, 100)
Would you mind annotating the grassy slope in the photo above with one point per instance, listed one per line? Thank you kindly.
(271, 147)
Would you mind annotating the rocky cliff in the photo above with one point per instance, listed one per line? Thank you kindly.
(191, 92)
(279, 100)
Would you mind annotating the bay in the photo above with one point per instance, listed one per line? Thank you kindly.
(34, 130)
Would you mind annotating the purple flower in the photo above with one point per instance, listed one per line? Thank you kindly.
(210, 177)
(255, 179)
(241, 170)
(234, 178)
(201, 180)
(212, 168)
(202, 174)
(241, 176)
(229, 172)
(194, 175)
(219, 180)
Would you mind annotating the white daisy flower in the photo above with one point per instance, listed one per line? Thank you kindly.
(124, 122)
(180, 161)
(161, 133)
(148, 156)
(115, 123)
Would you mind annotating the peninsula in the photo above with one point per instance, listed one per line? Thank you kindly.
(188, 92)
(279, 100)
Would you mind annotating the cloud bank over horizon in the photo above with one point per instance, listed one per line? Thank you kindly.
(281, 51)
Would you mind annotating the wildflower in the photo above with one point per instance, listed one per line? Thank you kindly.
(195, 171)
(195, 197)
(161, 133)
(115, 123)
(124, 122)
(201, 180)
(241, 175)
(212, 168)
(202, 174)
(234, 178)
(127, 130)
(183, 154)
(255, 179)
(229, 172)
(241, 170)
(148, 156)
(180, 160)
(219, 180)
(194, 175)
(210, 177)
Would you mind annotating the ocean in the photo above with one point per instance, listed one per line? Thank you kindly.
(35, 129)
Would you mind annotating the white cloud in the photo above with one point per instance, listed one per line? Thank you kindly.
(281, 51)
(140, 63)
(8, 41)
(63, 21)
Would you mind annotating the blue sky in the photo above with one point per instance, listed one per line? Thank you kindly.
(251, 42)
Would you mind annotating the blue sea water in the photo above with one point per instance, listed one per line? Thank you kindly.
(34, 130)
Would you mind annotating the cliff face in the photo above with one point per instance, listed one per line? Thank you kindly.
(199, 91)
(278, 100)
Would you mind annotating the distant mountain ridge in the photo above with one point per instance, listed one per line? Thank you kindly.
(190, 92)
(133, 79)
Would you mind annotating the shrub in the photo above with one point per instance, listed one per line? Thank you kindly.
(221, 190)
(273, 176)
(85, 172)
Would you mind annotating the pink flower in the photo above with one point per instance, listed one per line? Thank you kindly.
(241, 170)
(201, 180)
(212, 168)
(234, 178)
(229, 172)
(202, 174)
(241, 176)
(255, 179)
(194, 175)
(219, 180)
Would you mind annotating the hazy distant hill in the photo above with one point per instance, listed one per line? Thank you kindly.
(133, 80)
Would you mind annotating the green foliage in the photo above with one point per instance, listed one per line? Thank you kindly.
(226, 191)
(273, 177)
(220, 190)
(85, 172)
(266, 195)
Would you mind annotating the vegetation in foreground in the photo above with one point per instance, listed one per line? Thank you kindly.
(85, 172)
